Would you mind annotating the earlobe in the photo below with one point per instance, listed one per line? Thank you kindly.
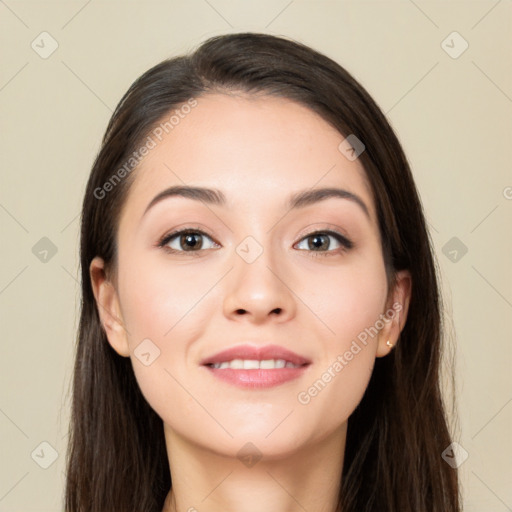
(107, 303)
(395, 314)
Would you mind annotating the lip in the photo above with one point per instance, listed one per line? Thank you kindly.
(257, 378)
(256, 353)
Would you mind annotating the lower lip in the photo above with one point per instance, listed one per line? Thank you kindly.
(256, 379)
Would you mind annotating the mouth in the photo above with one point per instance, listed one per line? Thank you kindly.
(250, 366)
(271, 356)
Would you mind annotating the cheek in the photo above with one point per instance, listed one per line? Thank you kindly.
(164, 315)
(348, 298)
(357, 303)
(160, 298)
(167, 303)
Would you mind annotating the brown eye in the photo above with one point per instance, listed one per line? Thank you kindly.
(191, 241)
(318, 242)
(187, 241)
(321, 241)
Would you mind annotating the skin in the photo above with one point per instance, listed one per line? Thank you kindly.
(257, 151)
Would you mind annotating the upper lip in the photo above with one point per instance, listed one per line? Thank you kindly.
(256, 353)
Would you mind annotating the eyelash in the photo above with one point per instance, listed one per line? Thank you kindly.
(346, 244)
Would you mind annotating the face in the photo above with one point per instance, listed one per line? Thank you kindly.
(254, 269)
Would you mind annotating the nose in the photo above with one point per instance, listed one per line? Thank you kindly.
(258, 292)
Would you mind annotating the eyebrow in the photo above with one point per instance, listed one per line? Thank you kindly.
(297, 200)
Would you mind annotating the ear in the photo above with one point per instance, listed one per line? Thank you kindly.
(395, 315)
(109, 309)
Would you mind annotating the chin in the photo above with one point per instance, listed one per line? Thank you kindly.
(264, 442)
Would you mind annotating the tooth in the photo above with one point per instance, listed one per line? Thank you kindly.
(253, 364)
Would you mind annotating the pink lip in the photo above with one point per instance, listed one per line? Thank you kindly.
(257, 378)
(256, 353)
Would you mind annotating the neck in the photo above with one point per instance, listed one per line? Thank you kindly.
(206, 481)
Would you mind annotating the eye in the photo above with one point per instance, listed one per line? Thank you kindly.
(193, 241)
(320, 242)
(186, 240)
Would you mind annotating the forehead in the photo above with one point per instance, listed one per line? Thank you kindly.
(251, 148)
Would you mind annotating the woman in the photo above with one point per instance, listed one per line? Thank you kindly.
(261, 319)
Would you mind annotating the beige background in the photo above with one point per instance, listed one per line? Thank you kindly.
(453, 116)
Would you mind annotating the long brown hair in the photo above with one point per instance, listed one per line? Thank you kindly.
(116, 460)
